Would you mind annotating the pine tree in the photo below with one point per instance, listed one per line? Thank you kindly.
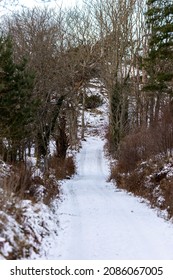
(17, 106)
(160, 56)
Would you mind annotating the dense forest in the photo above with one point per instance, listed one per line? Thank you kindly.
(47, 59)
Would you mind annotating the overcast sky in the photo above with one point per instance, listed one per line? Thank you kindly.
(51, 3)
(32, 3)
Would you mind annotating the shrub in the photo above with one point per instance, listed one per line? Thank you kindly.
(134, 148)
(62, 168)
(93, 101)
(162, 132)
(166, 187)
(145, 164)
(145, 142)
(18, 182)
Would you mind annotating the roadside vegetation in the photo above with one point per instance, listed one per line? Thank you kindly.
(145, 151)
(47, 59)
(144, 164)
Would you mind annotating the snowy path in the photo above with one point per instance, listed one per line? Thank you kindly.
(97, 221)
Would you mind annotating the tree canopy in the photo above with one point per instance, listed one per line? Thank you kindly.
(16, 103)
(160, 55)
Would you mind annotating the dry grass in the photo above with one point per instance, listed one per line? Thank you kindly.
(142, 156)
(148, 180)
(22, 185)
(18, 185)
(11, 223)
(62, 168)
(144, 142)
(51, 189)
(15, 187)
(166, 187)
(135, 148)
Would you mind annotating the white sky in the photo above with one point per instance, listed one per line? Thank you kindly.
(51, 3)
(32, 3)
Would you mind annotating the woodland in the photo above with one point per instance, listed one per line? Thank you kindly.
(48, 57)
(47, 60)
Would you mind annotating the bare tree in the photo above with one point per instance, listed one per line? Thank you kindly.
(81, 39)
(59, 49)
(38, 34)
(115, 25)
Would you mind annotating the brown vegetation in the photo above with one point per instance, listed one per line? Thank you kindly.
(145, 163)
(22, 184)
(62, 168)
(21, 188)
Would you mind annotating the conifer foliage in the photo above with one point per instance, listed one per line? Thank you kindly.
(17, 106)
(160, 58)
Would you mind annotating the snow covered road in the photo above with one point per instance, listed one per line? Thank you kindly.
(98, 221)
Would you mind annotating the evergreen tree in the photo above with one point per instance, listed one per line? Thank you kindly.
(160, 56)
(17, 106)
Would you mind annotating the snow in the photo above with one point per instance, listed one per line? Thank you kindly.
(38, 221)
(93, 220)
(97, 121)
(97, 221)
(4, 169)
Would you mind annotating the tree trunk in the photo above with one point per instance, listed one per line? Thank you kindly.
(62, 141)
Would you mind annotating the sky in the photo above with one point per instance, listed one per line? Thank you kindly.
(51, 3)
(32, 3)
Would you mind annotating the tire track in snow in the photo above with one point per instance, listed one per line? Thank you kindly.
(98, 222)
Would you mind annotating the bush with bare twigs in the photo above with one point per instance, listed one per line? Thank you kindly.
(62, 168)
(22, 223)
(93, 101)
(144, 166)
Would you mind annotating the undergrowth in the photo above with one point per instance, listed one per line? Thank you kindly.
(23, 194)
(152, 180)
(144, 163)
